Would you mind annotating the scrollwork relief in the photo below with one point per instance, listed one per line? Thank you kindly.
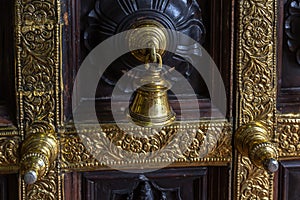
(288, 136)
(212, 143)
(9, 154)
(255, 183)
(256, 87)
(37, 58)
(256, 61)
(46, 189)
(108, 18)
(73, 152)
(38, 75)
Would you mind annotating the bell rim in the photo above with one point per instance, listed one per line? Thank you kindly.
(147, 121)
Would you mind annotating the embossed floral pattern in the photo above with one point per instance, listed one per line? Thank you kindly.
(9, 150)
(257, 87)
(45, 189)
(288, 138)
(210, 142)
(38, 79)
(38, 56)
(257, 33)
(38, 26)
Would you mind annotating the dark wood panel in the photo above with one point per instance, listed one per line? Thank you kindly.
(72, 186)
(2, 188)
(189, 183)
(218, 183)
(217, 19)
(289, 180)
(289, 100)
(9, 187)
(291, 44)
(185, 183)
(7, 64)
(184, 110)
(289, 57)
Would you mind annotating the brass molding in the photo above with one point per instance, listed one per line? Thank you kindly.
(9, 131)
(9, 153)
(211, 139)
(287, 136)
(256, 88)
(10, 141)
(38, 87)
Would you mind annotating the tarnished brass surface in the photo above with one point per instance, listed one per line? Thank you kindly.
(256, 88)
(252, 140)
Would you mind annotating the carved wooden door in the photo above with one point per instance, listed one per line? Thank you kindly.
(227, 147)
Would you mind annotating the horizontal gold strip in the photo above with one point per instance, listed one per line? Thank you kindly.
(212, 139)
(9, 131)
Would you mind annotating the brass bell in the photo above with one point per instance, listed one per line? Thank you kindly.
(150, 105)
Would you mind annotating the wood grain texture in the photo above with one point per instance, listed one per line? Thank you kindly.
(289, 180)
(192, 183)
(8, 185)
(78, 35)
(288, 57)
(7, 62)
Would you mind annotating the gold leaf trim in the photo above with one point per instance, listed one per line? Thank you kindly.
(8, 132)
(9, 151)
(74, 154)
(287, 136)
(38, 73)
(256, 71)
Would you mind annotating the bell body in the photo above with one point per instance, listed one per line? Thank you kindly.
(151, 108)
(150, 105)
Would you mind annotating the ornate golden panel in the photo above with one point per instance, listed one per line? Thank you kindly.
(38, 79)
(38, 64)
(39, 94)
(256, 86)
(9, 154)
(287, 136)
(212, 140)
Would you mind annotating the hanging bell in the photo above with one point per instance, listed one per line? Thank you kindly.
(150, 105)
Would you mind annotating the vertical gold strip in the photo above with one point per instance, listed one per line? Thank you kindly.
(18, 73)
(38, 72)
(59, 97)
(256, 86)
